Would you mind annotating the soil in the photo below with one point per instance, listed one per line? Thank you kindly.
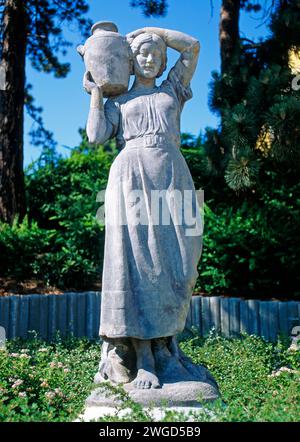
(11, 286)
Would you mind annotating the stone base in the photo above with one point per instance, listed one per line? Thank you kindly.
(183, 383)
(178, 394)
(183, 398)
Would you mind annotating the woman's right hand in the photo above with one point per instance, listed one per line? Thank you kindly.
(88, 83)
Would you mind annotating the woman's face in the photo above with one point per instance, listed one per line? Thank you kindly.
(148, 61)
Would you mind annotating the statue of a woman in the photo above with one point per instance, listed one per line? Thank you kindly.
(150, 268)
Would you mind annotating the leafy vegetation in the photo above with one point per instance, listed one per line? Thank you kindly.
(252, 249)
(60, 242)
(45, 382)
(248, 168)
(258, 106)
(50, 381)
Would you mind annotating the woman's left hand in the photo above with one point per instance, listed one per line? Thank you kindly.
(131, 36)
(161, 32)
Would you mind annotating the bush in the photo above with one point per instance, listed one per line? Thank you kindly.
(46, 382)
(23, 247)
(62, 192)
(247, 371)
(252, 249)
(50, 381)
(251, 240)
(28, 251)
(60, 241)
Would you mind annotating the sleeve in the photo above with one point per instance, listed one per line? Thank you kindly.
(112, 117)
(113, 122)
(175, 78)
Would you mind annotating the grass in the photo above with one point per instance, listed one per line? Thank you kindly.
(50, 381)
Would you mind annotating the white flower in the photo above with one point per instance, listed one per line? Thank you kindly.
(50, 394)
(17, 383)
(282, 370)
(58, 392)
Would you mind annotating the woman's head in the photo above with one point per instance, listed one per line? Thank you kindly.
(149, 55)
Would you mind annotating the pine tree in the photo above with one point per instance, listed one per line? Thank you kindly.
(151, 8)
(260, 110)
(233, 149)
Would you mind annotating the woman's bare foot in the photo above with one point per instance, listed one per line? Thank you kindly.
(145, 380)
(146, 376)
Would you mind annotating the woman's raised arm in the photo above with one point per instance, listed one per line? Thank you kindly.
(188, 46)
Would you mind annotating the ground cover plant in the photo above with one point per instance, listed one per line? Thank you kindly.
(259, 381)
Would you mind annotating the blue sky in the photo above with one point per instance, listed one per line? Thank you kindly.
(66, 104)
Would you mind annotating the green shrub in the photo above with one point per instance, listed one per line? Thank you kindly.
(63, 242)
(247, 371)
(66, 260)
(62, 192)
(252, 249)
(23, 247)
(50, 381)
(46, 382)
(251, 240)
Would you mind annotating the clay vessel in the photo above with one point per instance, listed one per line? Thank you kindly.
(106, 57)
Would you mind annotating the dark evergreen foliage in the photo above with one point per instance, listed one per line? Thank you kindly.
(151, 8)
(258, 106)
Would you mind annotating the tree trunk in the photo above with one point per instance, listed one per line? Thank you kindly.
(229, 33)
(12, 189)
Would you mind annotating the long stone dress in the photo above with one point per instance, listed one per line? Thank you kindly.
(149, 269)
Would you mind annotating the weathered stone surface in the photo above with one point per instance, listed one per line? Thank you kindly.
(185, 394)
(106, 57)
(151, 254)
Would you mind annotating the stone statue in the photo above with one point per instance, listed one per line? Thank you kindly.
(150, 268)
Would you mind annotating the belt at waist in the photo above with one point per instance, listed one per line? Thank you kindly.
(149, 141)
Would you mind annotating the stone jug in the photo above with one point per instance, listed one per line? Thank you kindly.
(106, 57)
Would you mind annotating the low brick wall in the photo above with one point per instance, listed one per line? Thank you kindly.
(79, 314)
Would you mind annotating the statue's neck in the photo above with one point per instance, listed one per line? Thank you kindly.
(143, 83)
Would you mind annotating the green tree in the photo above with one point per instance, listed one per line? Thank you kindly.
(259, 107)
(156, 8)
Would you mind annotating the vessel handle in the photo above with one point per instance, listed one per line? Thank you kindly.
(81, 50)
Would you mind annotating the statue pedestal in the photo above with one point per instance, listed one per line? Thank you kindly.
(186, 399)
(182, 391)
(177, 394)
(183, 385)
